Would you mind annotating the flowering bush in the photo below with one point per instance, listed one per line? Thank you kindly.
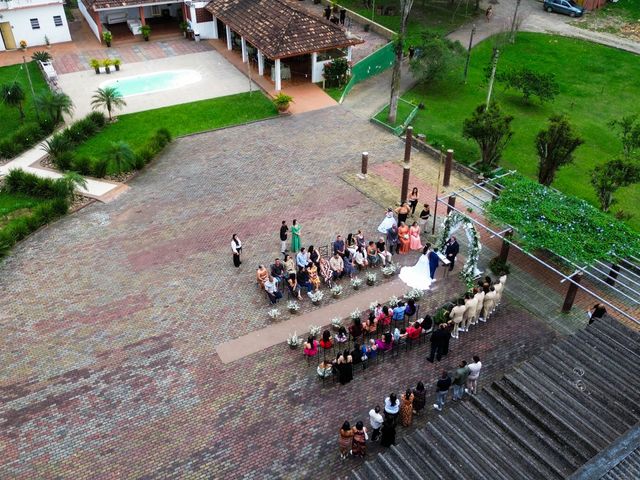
(293, 306)
(314, 330)
(373, 305)
(273, 313)
(355, 314)
(23, 44)
(356, 282)
(371, 278)
(336, 323)
(393, 301)
(293, 340)
(336, 291)
(389, 270)
(414, 294)
(316, 296)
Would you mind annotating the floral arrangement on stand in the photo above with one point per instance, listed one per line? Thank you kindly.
(389, 270)
(314, 330)
(414, 294)
(355, 314)
(393, 301)
(450, 224)
(356, 282)
(274, 313)
(316, 296)
(336, 291)
(336, 323)
(373, 305)
(294, 341)
(293, 306)
(371, 278)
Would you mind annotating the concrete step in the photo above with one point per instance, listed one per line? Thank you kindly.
(596, 400)
(486, 443)
(437, 455)
(414, 461)
(422, 458)
(615, 329)
(389, 466)
(577, 404)
(614, 350)
(531, 431)
(370, 470)
(448, 454)
(527, 442)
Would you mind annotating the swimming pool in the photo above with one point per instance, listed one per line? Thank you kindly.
(153, 82)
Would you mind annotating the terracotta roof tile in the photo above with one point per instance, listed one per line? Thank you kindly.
(279, 28)
(100, 4)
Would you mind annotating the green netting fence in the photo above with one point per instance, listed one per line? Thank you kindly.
(370, 66)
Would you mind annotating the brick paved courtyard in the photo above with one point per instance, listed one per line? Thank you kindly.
(110, 317)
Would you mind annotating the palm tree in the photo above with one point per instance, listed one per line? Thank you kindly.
(121, 155)
(12, 95)
(72, 181)
(54, 104)
(109, 98)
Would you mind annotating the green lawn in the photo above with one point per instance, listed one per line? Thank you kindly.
(10, 116)
(404, 110)
(136, 128)
(595, 88)
(15, 204)
(437, 15)
(612, 17)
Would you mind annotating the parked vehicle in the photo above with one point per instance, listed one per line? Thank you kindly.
(568, 7)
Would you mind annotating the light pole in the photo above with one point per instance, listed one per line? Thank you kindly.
(512, 37)
(466, 65)
(496, 54)
(33, 94)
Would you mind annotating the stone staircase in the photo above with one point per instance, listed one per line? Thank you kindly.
(542, 421)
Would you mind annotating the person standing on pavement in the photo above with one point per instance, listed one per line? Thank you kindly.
(442, 390)
(419, 398)
(236, 248)
(474, 373)
(446, 338)
(283, 237)
(459, 381)
(345, 440)
(437, 339)
(597, 312)
(413, 200)
(451, 251)
(403, 212)
(434, 261)
(457, 315)
(295, 236)
(424, 217)
(375, 420)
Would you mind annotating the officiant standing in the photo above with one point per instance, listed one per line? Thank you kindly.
(451, 251)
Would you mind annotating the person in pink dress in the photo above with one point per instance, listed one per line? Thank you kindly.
(414, 237)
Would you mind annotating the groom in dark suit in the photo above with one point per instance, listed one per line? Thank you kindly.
(434, 261)
(451, 251)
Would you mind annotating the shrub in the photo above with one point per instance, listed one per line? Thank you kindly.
(41, 56)
(498, 267)
(100, 167)
(57, 145)
(22, 138)
(98, 119)
(82, 165)
(47, 125)
(9, 148)
(138, 162)
(166, 134)
(335, 72)
(145, 153)
(63, 161)
(19, 181)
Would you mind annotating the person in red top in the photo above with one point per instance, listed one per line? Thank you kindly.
(414, 331)
(326, 342)
(385, 317)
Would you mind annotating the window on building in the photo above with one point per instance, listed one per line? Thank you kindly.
(57, 20)
(35, 24)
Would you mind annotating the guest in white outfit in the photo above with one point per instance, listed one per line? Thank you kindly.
(236, 248)
(479, 296)
(470, 304)
(474, 373)
(457, 314)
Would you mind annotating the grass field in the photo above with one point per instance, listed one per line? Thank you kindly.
(437, 15)
(136, 128)
(10, 117)
(13, 205)
(594, 89)
(612, 18)
(404, 110)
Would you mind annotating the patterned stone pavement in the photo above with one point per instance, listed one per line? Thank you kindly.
(110, 317)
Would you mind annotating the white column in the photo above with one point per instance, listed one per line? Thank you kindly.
(215, 28)
(192, 12)
(278, 77)
(349, 52)
(245, 55)
(228, 30)
(260, 63)
(314, 62)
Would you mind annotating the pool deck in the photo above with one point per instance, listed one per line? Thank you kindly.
(219, 78)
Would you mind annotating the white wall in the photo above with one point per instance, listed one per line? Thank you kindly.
(87, 16)
(21, 25)
(317, 71)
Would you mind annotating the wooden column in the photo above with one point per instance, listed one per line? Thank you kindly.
(406, 168)
(613, 274)
(365, 163)
(504, 250)
(571, 292)
(447, 168)
(141, 12)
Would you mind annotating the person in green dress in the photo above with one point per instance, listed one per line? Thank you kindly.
(295, 236)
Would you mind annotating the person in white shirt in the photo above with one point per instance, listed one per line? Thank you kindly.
(271, 286)
(457, 315)
(489, 303)
(470, 304)
(474, 373)
(236, 248)
(375, 419)
(302, 259)
(479, 296)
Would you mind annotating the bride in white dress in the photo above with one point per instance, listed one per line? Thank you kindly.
(388, 222)
(418, 275)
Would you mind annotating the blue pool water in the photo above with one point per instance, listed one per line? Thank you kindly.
(153, 82)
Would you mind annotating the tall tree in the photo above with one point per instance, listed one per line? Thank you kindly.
(555, 147)
(54, 104)
(439, 57)
(608, 177)
(491, 129)
(13, 95)
(108, 98)
(405, 8)
(628, 129)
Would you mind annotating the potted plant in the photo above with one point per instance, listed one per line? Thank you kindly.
(316, 297)
(314, 330)
(336, 323)
(282, 102)
(95, 64)
(274, 313)
(336, 291)
(106, 63)
(41, 56)
(414, 294)
(293, 306)
(116, 63)
(393, 301)
(184, 26)
(294, 341)
(145, 30)
(371, 278)
(23, 44)
(389, 270)
(47, 42)
(107, 37)
(356, 282)
(355, 314)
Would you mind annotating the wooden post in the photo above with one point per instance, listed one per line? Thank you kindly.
(451, 202)
(406, 168)
(141, 10)
(447, 168)
(613, 274)
(365, 163)
(504, 250)
(571, 292)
